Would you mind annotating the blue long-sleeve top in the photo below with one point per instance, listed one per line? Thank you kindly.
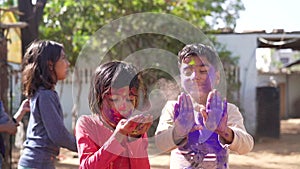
(46, 131)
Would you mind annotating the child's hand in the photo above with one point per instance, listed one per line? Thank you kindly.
(215, 113)
(144, 125)
(23, 109)
(128, 126)
(25, 106)
(184, 116)
(10, 127)
(125, 127)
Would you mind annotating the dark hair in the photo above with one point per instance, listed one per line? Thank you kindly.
(114, 74)
(36, 70)
(201, 50)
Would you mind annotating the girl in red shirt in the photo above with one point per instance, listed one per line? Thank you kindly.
(112, 137)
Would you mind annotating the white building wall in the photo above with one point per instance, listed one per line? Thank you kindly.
(264, 79)
(245, 46)
(67, 93)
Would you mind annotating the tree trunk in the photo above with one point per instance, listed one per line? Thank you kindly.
(32, 15)
(4, 95)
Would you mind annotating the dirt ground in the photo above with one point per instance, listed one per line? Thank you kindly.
(268, 153)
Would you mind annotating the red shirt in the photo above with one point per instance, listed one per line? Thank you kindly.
(97, 148)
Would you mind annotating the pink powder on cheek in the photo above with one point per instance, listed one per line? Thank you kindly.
(115, 116)
(118, 115)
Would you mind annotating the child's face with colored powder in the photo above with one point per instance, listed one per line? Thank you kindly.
(197, 75)
(120, 102)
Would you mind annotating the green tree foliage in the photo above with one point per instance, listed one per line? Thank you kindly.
(73, 22)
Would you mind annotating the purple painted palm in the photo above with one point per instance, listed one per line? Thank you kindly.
(200, 144)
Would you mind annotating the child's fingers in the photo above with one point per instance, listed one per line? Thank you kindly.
(136, 118)
(224, 107)
(204, 113)
(145, 127)
(218, 99)
(197, 127)
(176, 111)
(148, 119)
(189, 104)
(181, 103)
(210, 100)
(130, 125)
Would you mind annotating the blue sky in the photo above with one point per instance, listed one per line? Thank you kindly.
(270, 14)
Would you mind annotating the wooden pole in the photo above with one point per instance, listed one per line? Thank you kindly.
(4, 82)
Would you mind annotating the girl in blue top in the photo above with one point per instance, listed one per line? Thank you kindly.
(44, 64)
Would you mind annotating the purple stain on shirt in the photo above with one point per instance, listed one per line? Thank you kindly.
(203, 142)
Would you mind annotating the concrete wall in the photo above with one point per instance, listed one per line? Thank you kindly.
(67, 93)
(245, 47)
